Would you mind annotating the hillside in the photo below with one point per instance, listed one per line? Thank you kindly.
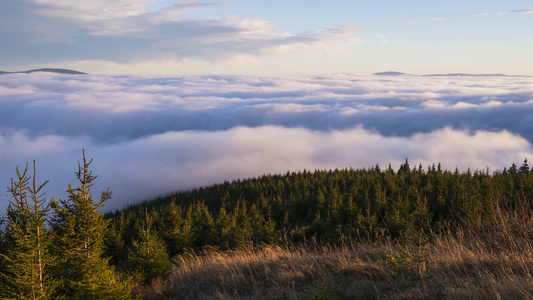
(345, 234)
(326, 234)
(327, 205)
(488, 262)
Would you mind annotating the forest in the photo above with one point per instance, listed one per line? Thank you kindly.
(324, 206)
(68, 248)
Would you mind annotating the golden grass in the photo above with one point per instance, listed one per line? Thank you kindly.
(485, 262)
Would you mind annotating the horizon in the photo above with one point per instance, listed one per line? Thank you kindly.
(382, 73)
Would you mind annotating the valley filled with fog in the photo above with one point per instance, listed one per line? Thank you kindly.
(153, 135)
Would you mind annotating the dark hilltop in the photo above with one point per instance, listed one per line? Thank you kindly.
(50, 70)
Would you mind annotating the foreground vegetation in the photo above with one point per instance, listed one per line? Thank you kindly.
(340, 234)
(55, 249)
(487, 262)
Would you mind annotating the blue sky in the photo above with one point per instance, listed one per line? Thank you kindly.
(296, 37)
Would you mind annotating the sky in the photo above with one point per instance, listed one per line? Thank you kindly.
(184, 94)
(269, 38)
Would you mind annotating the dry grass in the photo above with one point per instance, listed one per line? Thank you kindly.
(490, 262)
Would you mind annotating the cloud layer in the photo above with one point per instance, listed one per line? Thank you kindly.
(126, 31)
(155, 135)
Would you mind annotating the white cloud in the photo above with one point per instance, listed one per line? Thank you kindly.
(481, 15)
(411, 21)
(384, 39)
(171, 161)
(155, 135)
(126, 32)
(523, 11)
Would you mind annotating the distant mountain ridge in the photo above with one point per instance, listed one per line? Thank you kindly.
(394, 73)
(50, 70)
(390, 73)
(468, 75)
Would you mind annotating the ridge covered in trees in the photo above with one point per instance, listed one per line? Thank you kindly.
(69, 249)
(324, 206)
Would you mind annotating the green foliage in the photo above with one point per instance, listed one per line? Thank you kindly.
(325, 206)
(329, 205)
(173, 229)
(225, 229)
(149, 257)
(26, 260)
(79, 229)
(323, 292)
(412, 261)
(201, 224)
(114, 245)
(99, 281)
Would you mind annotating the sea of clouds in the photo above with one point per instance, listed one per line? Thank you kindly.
(149, 136)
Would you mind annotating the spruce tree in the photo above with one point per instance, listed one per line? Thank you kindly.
(3, 249)
(114, 244)
(243, 225)
(224, 229)
(79, 229)
(263, 227)
(202, 225)
(149, 257)
(172, 229)
(27, 260)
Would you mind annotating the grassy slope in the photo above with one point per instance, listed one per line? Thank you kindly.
(489, 262)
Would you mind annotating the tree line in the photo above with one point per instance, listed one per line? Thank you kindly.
(70, 249)
(323, 206)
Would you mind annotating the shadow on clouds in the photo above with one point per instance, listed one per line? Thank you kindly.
(155, 135)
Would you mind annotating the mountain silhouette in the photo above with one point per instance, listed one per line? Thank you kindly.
(50, 70)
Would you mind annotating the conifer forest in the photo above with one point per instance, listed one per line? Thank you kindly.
(70, 249)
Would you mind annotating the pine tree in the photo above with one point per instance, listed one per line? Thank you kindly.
(263, 227)
(524, 169)
(79, 230)
(27, 260)
(224, 229)
(149, 257)
(173, 230)
(3, 249)
(242, 225)
(114, 244)
(202, 225)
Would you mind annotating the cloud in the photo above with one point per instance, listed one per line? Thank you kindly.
(46, 31)
(126, 108)
(384, 39)
(153, 135)
(411, 21)
(151, 166)
(523, 11)
(481, 15)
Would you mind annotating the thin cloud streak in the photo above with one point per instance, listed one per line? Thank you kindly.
(523, 11)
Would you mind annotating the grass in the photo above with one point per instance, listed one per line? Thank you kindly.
(490, 261)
